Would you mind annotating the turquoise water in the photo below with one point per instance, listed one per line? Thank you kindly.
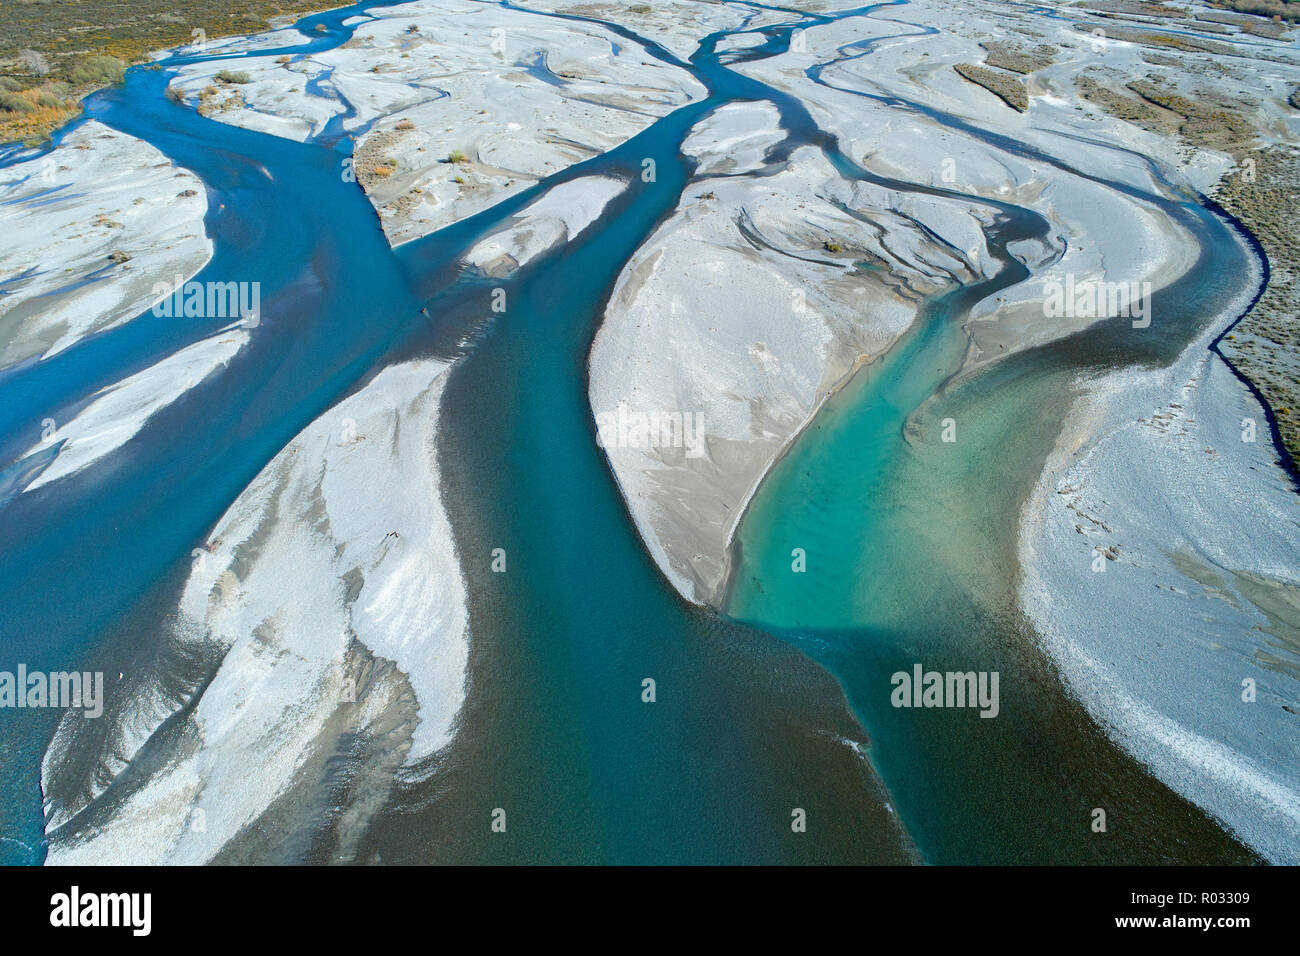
(906, 541)
(910, 544)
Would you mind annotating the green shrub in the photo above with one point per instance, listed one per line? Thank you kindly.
(233, 76)
(13, 103)
(96, 69)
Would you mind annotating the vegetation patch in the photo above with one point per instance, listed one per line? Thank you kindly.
(214, 99)
(1206, 120)
(1132, 8)
(1169, 41)
(1006, 55)
(1285, 10)
(1161, 59)
(1265, 345)
(371, 161)
(1008, 88)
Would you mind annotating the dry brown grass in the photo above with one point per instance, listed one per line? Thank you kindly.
(1288, 10)
(35, 126)
(1006, 55)
(1265, 345)
(1006, 87)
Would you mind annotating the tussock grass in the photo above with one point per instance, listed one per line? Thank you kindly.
(1008, 88)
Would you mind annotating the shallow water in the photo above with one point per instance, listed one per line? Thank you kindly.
(910, 545)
